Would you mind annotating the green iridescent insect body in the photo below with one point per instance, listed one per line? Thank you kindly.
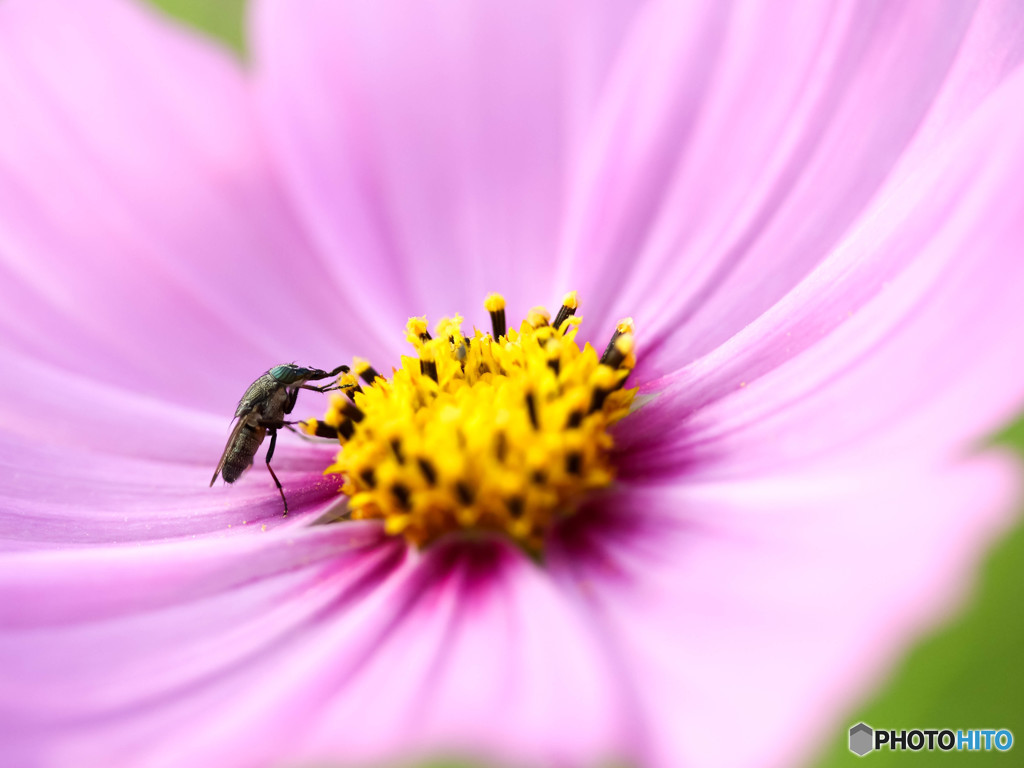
(262, 409)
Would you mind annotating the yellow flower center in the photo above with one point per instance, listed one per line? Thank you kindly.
(502, 432)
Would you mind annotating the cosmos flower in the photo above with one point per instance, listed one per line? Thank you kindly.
(812, 213)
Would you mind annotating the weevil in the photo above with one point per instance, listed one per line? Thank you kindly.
(261, 410)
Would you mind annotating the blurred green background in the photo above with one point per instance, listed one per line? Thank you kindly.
(967, 675)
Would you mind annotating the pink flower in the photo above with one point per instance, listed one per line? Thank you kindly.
(814, 213)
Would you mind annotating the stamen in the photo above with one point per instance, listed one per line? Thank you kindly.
(604, 385)
(428, 470)
(318, 428)
(554, 357)
(416, 331)
(465, 494)
(351, 410)
(495, 305)
(616, 355)
(531, 406)
(573, 463)
(569, 304)
(538, 317)
(396, 447)
(450, 328)
(349, 384)
(428, 367)
(514, 504)
(402, 494)
(625, 325)
(366, 371)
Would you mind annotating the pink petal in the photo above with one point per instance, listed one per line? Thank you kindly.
(427, 148)
(734, 147)
(285, 650)
(78, 413)
(306, 645)
(130, 645)
(901, 333)
(767, 608)
(482, 657)
(143, 239)
(49, 501)
(89, 463)
(149, 270)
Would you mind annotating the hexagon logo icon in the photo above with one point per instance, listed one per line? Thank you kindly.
(862, 739)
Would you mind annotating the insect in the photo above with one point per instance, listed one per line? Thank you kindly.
(262, 409)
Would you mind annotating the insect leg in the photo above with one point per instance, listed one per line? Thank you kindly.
(293, 395)
(270, 455)
(325, 388)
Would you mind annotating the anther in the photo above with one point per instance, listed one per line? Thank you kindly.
(465, 493)
(538, 317)
(429, 368)
(495, 305)
(349, 384)
(531, 406)
(396, 446)
(368, 478)
(569, 304)
(401, 494)
(428, 470)
(319, 428)
(598, 398)
(514, 504)
(416, 330)
(604, 381)
(351, 410)
(366, 371)
(574, 463)
(617, 353)
(625, 325)
(553, 351)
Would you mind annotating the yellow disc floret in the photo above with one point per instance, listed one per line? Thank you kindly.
(503, 432)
